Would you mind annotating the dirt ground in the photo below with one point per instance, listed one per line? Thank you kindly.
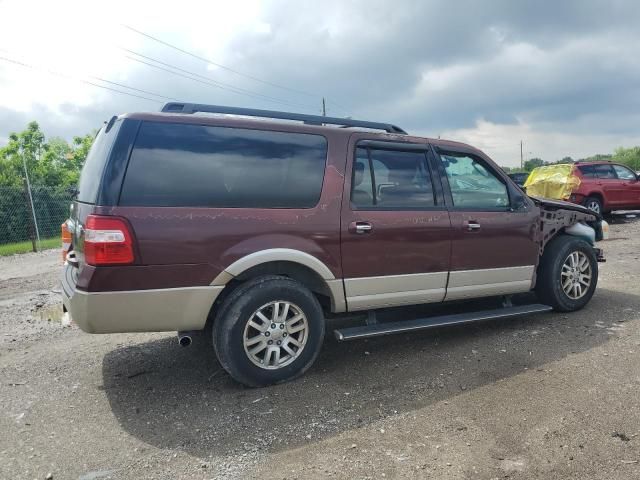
(546, 396)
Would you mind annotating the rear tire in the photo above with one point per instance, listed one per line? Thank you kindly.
(567, 274)
(268, 330)
(594, 204)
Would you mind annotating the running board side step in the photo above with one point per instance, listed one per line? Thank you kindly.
(403, 326)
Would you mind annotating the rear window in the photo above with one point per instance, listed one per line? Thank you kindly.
(94, 164)
(201, 166)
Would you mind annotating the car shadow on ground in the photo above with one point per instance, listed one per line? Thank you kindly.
(622, 217)
(172, 397)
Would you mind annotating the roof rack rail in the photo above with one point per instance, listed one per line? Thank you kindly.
(175, 107)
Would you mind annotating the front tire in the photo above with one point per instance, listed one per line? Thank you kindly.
(269, 330)
(567, 274)
(594, 204)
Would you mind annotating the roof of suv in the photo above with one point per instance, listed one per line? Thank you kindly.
(596, 162)
(250, 118)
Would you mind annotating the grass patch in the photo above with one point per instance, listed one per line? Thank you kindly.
(24, 247)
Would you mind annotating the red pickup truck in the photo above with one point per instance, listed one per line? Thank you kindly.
(606, 186)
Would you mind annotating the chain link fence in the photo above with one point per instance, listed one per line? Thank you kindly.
(31, 222)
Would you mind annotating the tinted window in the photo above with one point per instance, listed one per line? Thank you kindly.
(202, 166)
(361, 186)
(624, 173)
(400, 180)
(472, 184)
(604, 171)
(588, 171)
(94, 164)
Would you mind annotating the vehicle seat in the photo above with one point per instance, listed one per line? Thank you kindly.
(359, 196)
(403, 191)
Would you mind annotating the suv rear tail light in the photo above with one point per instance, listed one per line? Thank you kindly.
(107, 241)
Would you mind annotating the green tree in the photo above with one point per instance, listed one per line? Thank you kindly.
(628, 156)
(53, 163)
(51, 169)
(532, 163)
(23, 148)
(598, 157)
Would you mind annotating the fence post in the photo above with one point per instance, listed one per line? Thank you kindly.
(32, 229)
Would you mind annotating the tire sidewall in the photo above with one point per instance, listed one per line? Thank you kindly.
(565, 248)
(588, 200)
(228, 331)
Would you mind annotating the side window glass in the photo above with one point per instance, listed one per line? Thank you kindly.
(472, 184)
(624, 173)
(180, 165)
(605, 171)
(400, 180)
(588, 171)
(361, 186)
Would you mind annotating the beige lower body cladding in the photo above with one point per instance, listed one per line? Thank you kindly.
(169, 309)
(397, 290)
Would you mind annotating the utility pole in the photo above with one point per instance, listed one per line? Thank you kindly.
(27, 185)
(32, 228)
(521, 157)
(324, 108)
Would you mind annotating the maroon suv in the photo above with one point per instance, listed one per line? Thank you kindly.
(256, 230)
(606, 186)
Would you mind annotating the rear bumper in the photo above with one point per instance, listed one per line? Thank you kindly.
(157, 310)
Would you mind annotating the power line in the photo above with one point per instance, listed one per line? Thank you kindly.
(135, 89)
(209, 81)
(204, 82)
(229, 69)
(217, 82)
(53, 72)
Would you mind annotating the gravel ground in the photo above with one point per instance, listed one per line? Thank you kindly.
(546, 396)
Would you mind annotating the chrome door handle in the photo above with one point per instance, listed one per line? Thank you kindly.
(471, 226)
(362, 227)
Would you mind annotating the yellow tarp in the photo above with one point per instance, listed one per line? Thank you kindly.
(552, 181)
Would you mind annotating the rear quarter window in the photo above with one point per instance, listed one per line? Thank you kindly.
(95, 162)
(184, 165)
(588, 171)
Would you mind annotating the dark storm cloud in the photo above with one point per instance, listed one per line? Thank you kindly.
(570, 66)
(372, 57)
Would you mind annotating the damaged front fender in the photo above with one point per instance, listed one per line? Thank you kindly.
(557, 216)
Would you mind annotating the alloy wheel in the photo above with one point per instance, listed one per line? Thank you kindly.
(275, 334)
(576, 275)
(594, 206)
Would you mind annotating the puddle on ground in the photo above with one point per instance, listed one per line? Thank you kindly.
(50, 313)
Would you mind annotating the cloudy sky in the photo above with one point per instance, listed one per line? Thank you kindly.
(564, 78)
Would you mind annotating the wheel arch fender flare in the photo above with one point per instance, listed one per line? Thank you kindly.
(334, 286)
(597, 194)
